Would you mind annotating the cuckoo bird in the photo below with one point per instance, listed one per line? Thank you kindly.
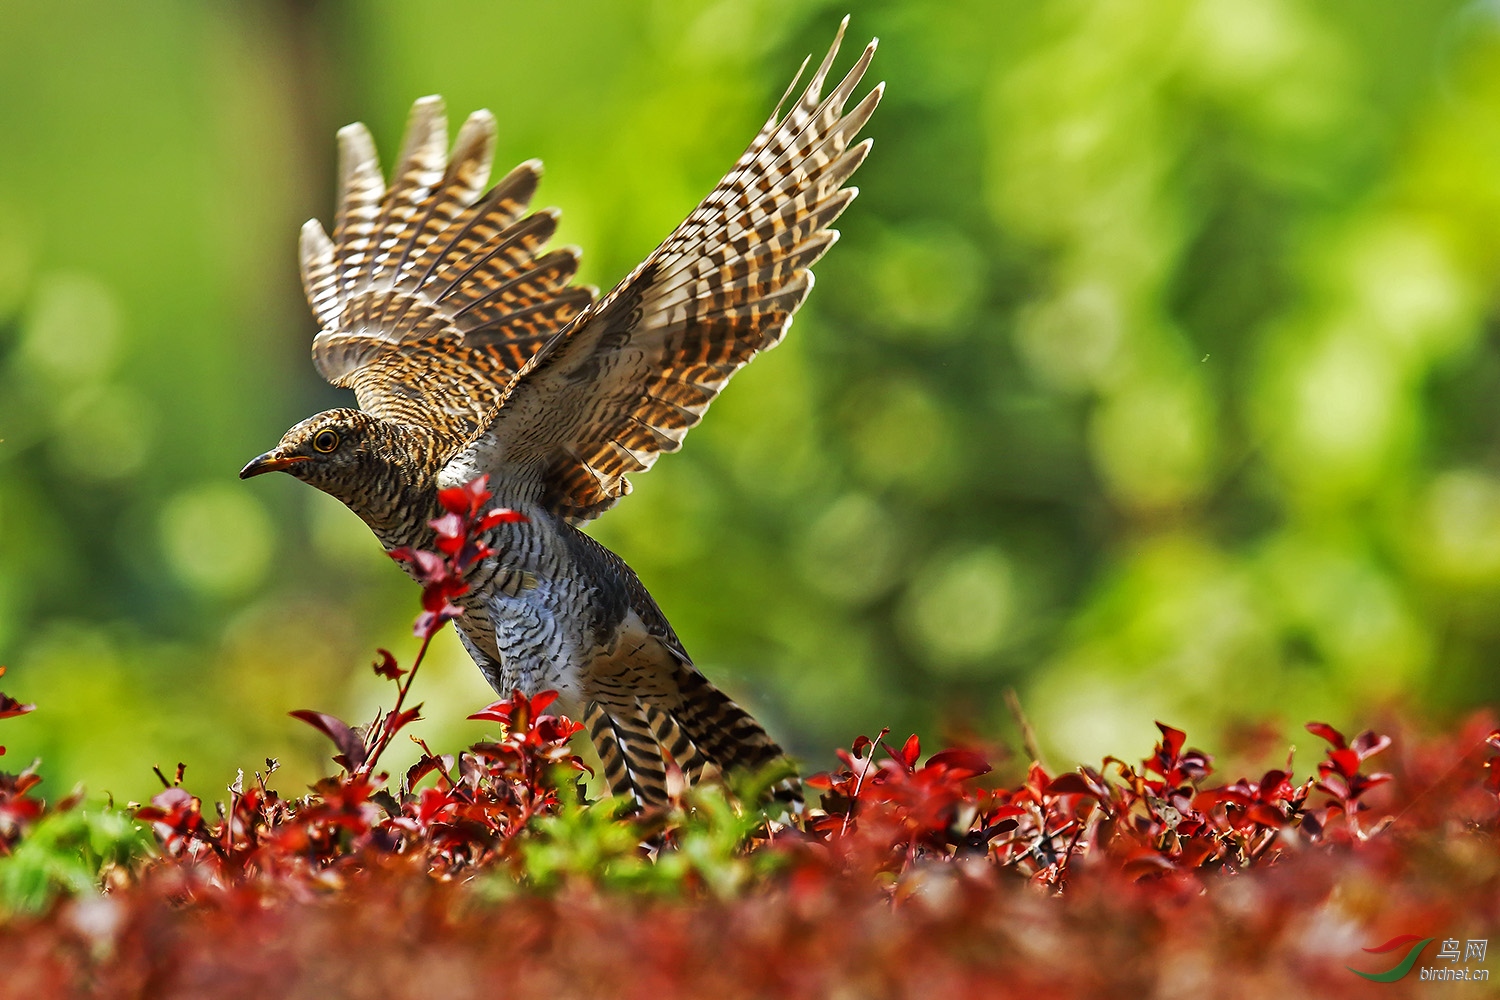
(471, 352)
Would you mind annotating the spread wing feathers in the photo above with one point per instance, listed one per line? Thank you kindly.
(638, 370)
(431, 294)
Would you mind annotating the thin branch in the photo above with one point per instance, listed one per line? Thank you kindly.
(1028, 735)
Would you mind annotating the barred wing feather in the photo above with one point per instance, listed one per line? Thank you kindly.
(432, 293)
(638, 370)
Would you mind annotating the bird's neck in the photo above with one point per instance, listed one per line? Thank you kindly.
(400, 497)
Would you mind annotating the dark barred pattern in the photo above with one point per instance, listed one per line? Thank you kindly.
(697, 725)
(674, 742)
(429, 296)
(602, 733)
(638, 370)
(664, 703)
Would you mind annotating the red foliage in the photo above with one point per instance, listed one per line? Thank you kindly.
(9, 707)
(460, 535)
(18, 809)
(886, 816)
(912, 878)
(917, 897)
(467, 819)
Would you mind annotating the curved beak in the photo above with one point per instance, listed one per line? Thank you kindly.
(271, 462)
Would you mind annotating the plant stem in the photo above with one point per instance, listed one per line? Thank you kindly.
(386, 732)
(860, 781)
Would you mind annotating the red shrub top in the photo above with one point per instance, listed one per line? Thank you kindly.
(911, 877)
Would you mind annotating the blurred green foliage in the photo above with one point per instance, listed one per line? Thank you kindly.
(593, 845)
(65, 853)
(1156, 374)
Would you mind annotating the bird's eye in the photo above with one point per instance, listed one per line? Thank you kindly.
(325, 441)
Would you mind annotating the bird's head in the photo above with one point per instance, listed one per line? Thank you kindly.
(334, 451)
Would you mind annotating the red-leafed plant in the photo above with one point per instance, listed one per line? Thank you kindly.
(911, 876)
(1160, 818)
(18, 808)
(466, 819)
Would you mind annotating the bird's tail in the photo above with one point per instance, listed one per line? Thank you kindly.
(697, 725)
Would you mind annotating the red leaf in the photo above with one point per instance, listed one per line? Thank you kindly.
(350, 744)
(466, 499)
(495, 711)
(1205, 801)
(429, 566)
(961, 763)
(1324, 731)
(501, 515)
(557, 729)
(860, 742)
(1369, 743)
(170, 803)
(395, 723)
(1171, 739)
(1333, 783)
(1273, 784)
(909, 752)
(1145, 861)
(1346, 760)
(1071, 783)
(9, 707)
(454, 500)
(1198, 851)
(1037, 780)
(435, 595)
(427, 765)
(471, 553)
(1005, 812)
(429, 623)
(449, 526)
(386, 666)
(1194, 764)
(1265, 815)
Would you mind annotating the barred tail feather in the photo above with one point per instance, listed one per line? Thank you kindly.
(698, 727)
(728, 735)
(632, 760)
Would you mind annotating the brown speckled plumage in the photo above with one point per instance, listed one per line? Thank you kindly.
(470, 352)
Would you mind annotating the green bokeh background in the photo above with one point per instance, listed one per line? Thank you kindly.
(1156, 374)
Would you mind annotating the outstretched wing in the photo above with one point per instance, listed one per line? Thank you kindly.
(632, 375)
(430, 295)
